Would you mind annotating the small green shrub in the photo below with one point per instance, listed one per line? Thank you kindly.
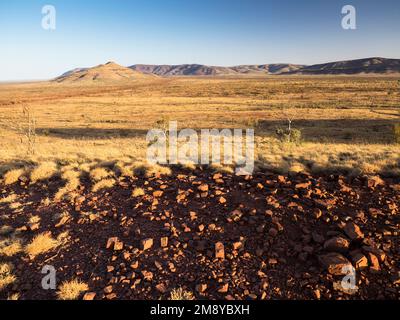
(292, 136)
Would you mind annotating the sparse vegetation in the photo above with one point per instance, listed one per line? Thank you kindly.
(103, 184)
(42, 243)
(71, 290)
(289, 136)
(334, 114)
(6, 276)
(181, 294)
(98, 174)
(12, 176)
(44, 171)
(10, 247)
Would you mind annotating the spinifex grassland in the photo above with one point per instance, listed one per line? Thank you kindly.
(85, 202)
(346, 123)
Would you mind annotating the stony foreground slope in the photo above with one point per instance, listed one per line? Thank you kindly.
(217, 236)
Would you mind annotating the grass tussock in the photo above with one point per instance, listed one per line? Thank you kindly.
(180, 294)
(71, 290)
(8, 199)
(42, 243)
(147, 170)
(124, 169)
(44, 171)
(103, 184)
(6, 276)
(72, 178)
(14, 297)
(13, 176)
(10, 247)
(99, 173)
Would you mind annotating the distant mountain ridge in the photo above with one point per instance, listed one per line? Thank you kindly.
(114, 72)
(203, 70)
(358, 66)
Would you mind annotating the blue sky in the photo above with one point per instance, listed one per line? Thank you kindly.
(213, 32)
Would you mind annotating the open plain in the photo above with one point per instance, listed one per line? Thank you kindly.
(77, 193)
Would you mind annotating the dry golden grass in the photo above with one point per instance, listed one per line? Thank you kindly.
(99, 123)
(42, 243)
(44, 171)
(98, 174)
(72, 178)
(10, 247)
(14, 297)
(12, 176)
(6, 276)
(103, 184)
(8, 199)
(71, 290)
(180, 294)
(150, 170)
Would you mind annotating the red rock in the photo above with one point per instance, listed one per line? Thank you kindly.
(161, 287)
(273, 232)
(374, 181)
(118, 245)
(201, 288)
(222, 200)
(217, 176)
(373, 260)
(337, 244)
(108, 289)
(353, 231)
(281, 179)
(115, 243)
(89, 296)
(127, 256)
(237, 245)
(335, 263)
(158, 194)
(110, 242)
(193, 215)
(147, 244)
(147, 275)
(219, 250)
(224, 288)
(111, 296)
(110, 269)
(359, 261)
(164, 242)
(236, 215)
(375, 251)
(203, 188)
(304, 185)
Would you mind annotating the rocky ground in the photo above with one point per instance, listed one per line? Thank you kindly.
(218, 236)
